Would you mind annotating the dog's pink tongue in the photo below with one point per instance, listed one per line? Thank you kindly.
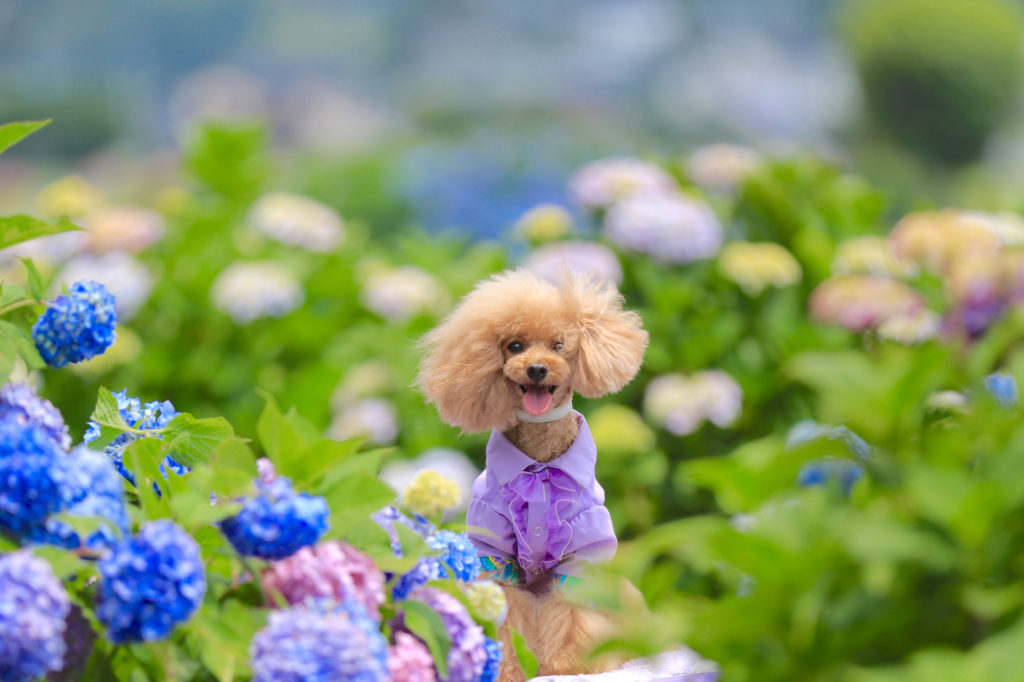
(537, 401)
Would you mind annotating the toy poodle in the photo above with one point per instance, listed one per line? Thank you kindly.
(508, 359)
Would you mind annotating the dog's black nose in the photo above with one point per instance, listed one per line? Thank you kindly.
(537, 372)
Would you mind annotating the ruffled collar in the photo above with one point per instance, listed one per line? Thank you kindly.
(505, 461)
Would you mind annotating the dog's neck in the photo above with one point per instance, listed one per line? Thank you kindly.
(544, 441)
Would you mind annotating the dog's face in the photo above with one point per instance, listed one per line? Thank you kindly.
(517, 342)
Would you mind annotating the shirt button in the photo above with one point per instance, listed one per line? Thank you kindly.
(536, 571)
(538, 531)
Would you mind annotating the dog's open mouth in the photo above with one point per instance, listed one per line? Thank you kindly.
(537, 397)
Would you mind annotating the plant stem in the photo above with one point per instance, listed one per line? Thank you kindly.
(17, 304)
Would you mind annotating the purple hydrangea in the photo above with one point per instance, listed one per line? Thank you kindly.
(329, 570)
(824, 472)
(35, 477)
(467, 657)
(314, 643)
(151, 583)
(458, 552)
(277, 522)
(77, 326)
(586, 259)
(20, 402)
(148, 417)
(33, 606)
(99, 493)
(670, 228)
(387, 517)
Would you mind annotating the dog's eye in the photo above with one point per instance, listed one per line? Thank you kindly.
(558, 346)
(516, 347)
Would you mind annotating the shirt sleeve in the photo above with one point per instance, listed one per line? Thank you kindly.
(593, 540)
(488, 529)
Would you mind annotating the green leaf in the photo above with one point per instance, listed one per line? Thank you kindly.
(8, 356)
(15, 229)
(24, 344)
(527, 660)
(108, 417)
(143, 456)
(281, 438)
(426, 623)
(190, 441)
(12, 133)
(35, 280)
(11, 293)
(360, 493)
(63, 562)
(320, 457)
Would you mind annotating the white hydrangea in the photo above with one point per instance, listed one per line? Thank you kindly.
(373, 418)
(590, 259)
(298, 221)
(123, 228)
(682, 403)
(126, 278)
(248, 291)
(398, 294)
(722, 167)
(670, 228)
(602, 183)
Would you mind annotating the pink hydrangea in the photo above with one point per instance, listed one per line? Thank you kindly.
(409, 660)
(330, 569)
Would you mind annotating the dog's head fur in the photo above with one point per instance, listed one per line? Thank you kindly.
(515, 332)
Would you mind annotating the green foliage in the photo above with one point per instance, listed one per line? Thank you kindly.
(939, 75)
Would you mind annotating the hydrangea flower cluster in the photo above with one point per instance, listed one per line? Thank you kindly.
(20, 403)
(1003, 387)
(36, 478)
(372, 418)
(755, 266)
(427, 568)
(248, 291)
(458, 552)
(99, 494)
(468, 655)
(544, 223)
(277, 522)
(410, 661)
(298, 221)
(870, 255)
(586, 259)
(602, 183)
(448, 462)
(842, 470)
(430, 493)
(912, 328)
(493, 664)
(123, 228)
(143, 417)
(387, 517)
(722, 167)
(819, 473)
(670, 228)
(77, 326)
(862, 302)
(329, 570)
(681, 403)
(398, 294)
(151, 583)
(320, 644)
(33, 606)
(487, 599)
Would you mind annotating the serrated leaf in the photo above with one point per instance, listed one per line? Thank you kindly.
(143, 456)
(63, 562)
(24, 344)
(527, 661)
(320, 457)
(35, 279)
(15, 229)
(11, 293)
(426, 623)
(280, 437)
(360, 493)
(190, 441)
(108, 417)
(12, 133)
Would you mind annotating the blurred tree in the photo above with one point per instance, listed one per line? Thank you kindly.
(938, 75)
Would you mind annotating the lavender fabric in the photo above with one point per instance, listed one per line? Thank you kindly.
(547, 517)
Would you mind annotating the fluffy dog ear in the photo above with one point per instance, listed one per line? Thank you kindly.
(461, 374)
(611, 341)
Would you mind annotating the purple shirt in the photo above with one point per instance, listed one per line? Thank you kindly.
(548, 517)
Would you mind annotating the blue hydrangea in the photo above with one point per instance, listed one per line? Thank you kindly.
(387, 517)
(277, 522)
(808, 430)
(317, 644)
(821, 472)
(77, 326)
(35, 477)
(20, 402)
(458, 552)
(1003, 388)
(426, 569)
(149, 417)
(493, 664)
(151, 583)
(33, 606)
(100, 494)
